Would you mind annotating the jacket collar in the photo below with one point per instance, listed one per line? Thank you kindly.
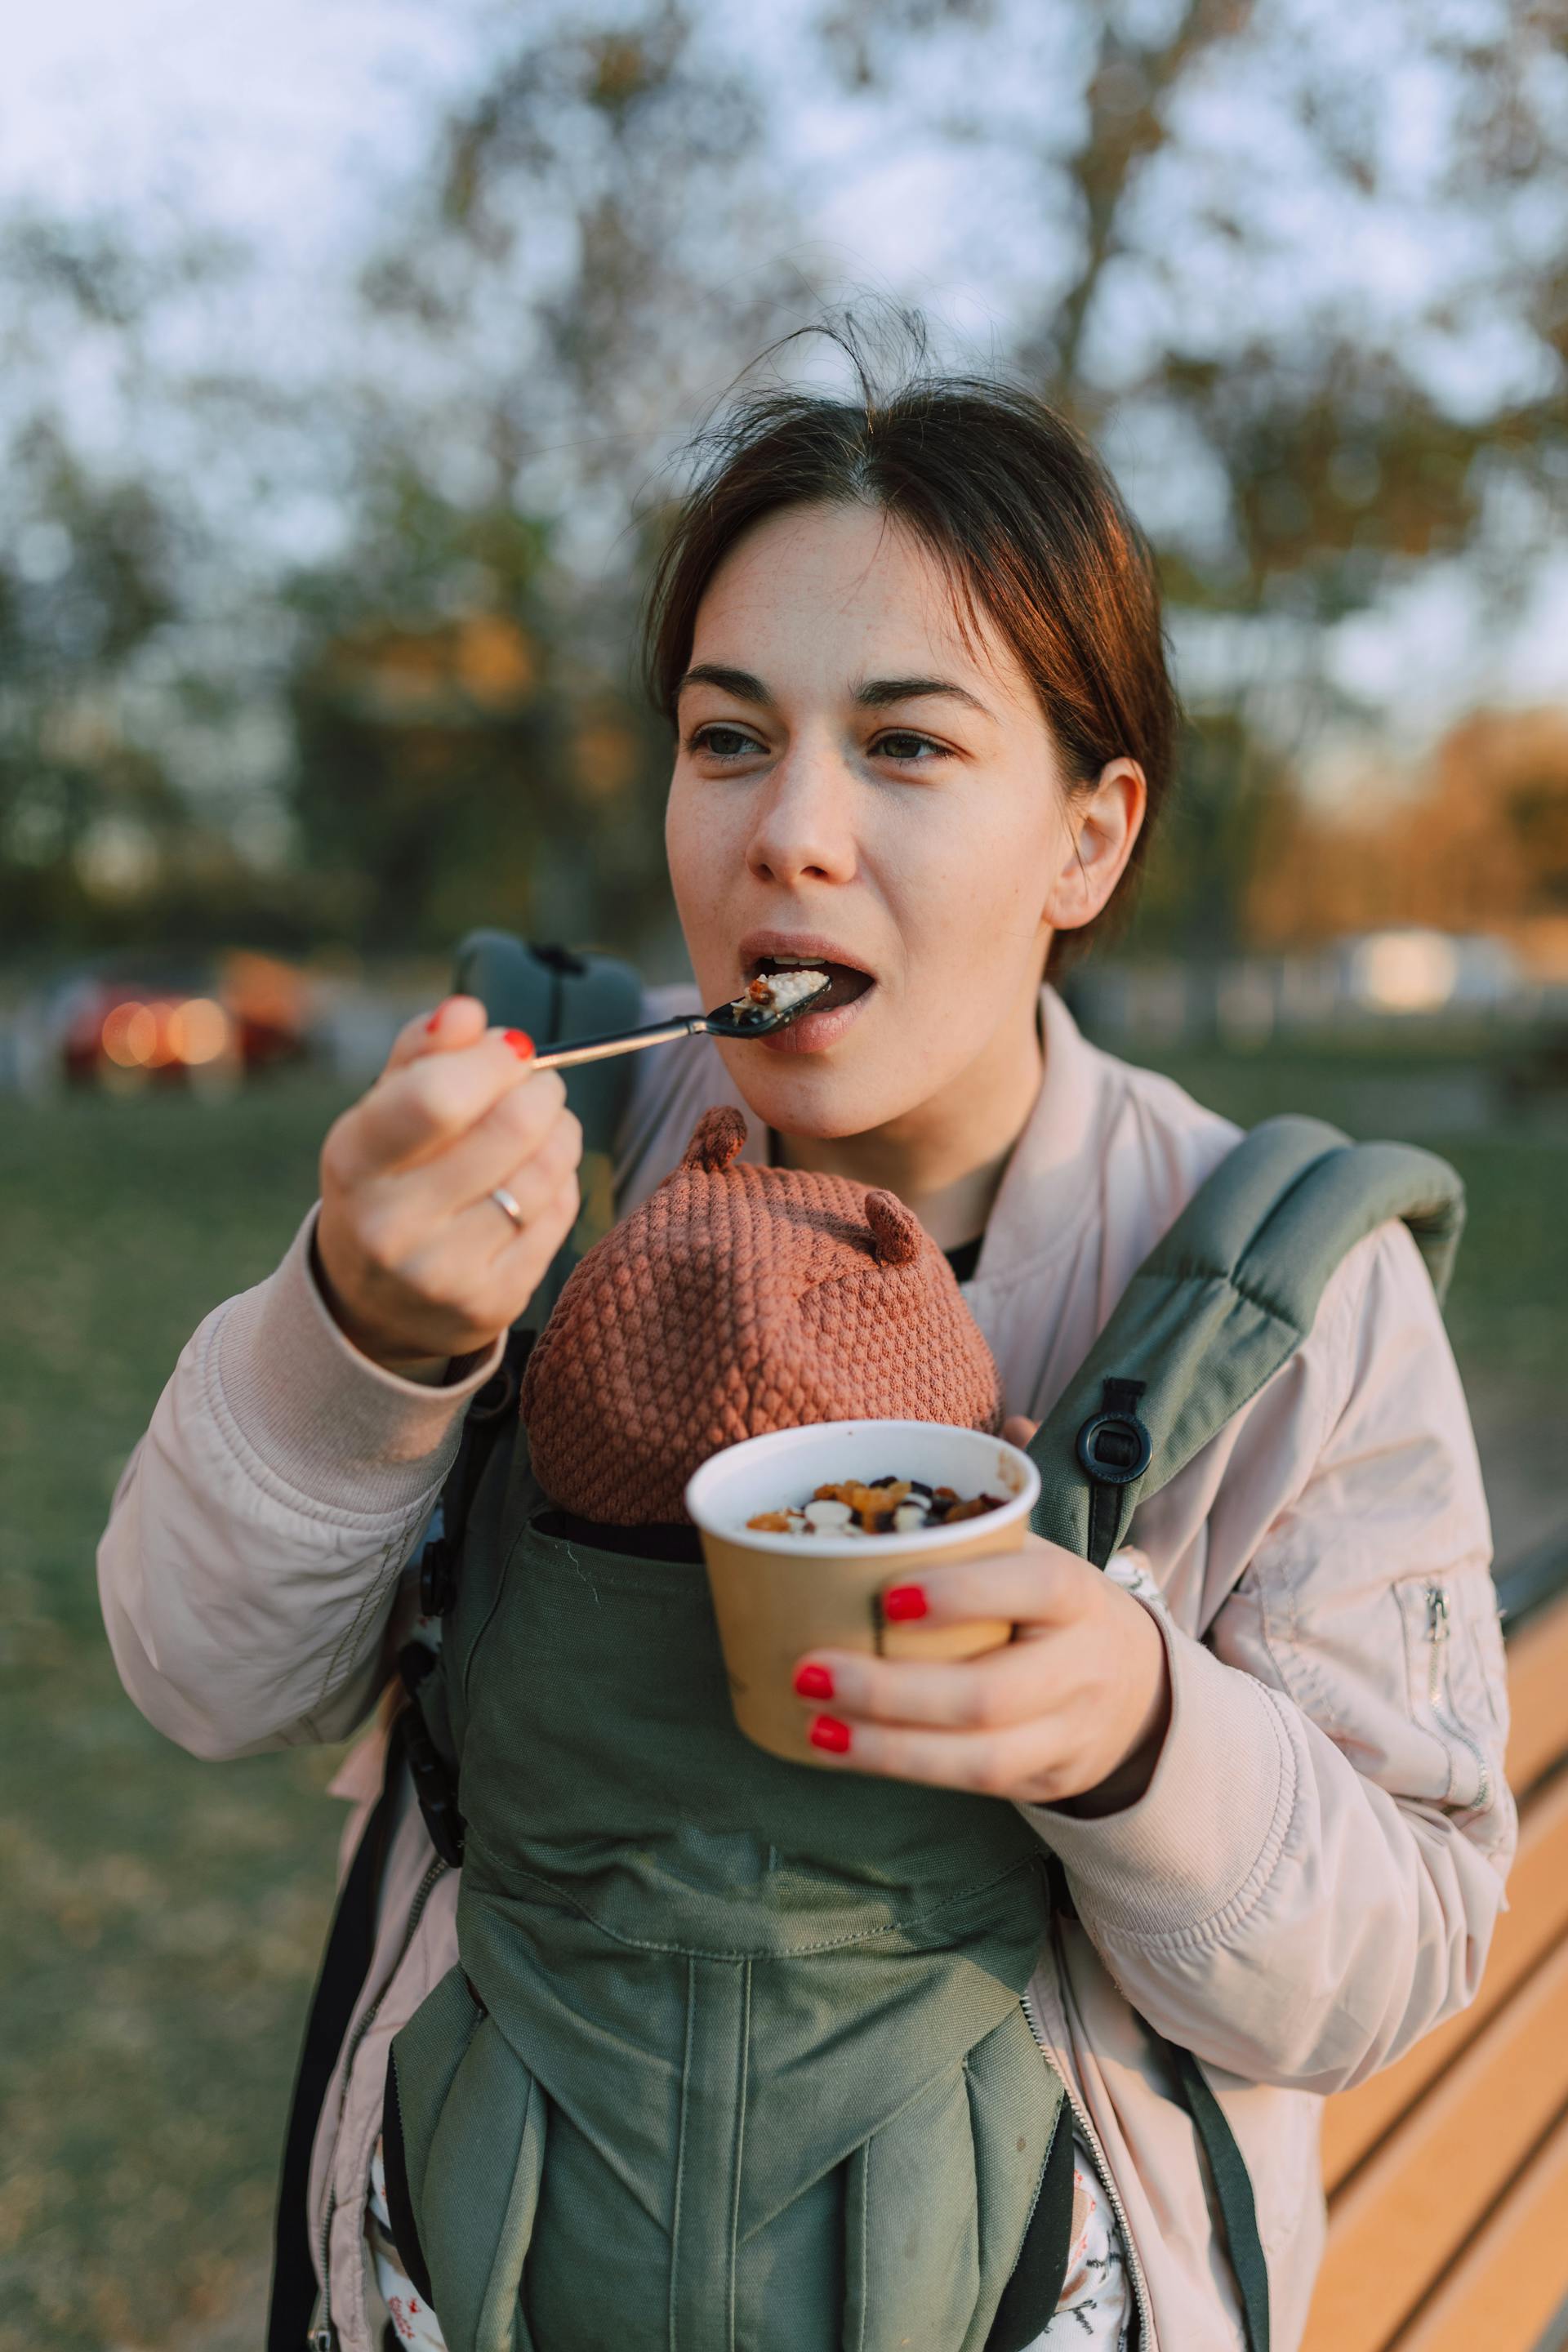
(1052, 1183)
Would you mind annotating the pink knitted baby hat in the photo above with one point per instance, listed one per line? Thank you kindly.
(737, 1300)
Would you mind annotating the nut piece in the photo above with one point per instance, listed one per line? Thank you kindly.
(889, 1505)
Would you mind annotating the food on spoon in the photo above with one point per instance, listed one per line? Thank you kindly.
(886, 1506)
(775, 991)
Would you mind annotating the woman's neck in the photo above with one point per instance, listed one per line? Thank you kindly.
(947, 1159)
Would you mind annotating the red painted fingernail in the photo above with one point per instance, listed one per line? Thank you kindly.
(814, 1682)
(435, 1020)
(901, 1601)
(827, 1731)
(521, 1044)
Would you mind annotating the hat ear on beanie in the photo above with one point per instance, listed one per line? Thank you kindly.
(896, 1231)
(715, 1139)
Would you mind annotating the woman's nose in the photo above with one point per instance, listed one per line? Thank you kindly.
(803, 829)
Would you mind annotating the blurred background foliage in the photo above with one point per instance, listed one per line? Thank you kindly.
(1304, 276)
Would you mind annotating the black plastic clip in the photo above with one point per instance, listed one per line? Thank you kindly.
(1115, 1449)
(438, 1577)
(432, 1779)
(1113, 1444)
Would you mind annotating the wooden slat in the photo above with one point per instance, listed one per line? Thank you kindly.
(1538, 1696)
(1537, 1917)
(1397, 2224)
(1514, 2277)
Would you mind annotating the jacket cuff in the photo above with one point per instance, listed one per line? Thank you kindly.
(1208, 1832)
(319, 1416)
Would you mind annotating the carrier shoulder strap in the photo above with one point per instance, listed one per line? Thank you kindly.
(1218, 1305)
(555, 994)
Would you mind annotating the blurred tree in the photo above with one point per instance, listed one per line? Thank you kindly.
(586, 256)
(461, 757)
(1303, 276)
(1480, 843)
(1221, 824)
(1296, 446)
(99, 844)
(85, 583)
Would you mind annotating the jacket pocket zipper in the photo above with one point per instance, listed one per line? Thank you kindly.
(323, 2334)
(1092, 2141)
(1439, 1631)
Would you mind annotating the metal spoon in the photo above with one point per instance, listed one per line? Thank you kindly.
(744, 1016)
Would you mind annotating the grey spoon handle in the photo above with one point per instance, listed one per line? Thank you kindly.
(626, 1041)
(722, 1021)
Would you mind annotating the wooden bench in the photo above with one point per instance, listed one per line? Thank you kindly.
(1448, 2174)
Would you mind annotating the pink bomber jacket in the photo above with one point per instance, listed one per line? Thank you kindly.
(1309, 1883)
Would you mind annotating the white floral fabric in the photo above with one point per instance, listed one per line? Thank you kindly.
(1095, 2313)
(413, 2320)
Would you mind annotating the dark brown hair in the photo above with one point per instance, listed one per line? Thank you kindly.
(1022, 515)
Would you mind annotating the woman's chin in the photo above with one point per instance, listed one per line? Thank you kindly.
(833, 1081)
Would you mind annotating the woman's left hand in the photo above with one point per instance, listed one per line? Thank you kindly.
(1071, 1712)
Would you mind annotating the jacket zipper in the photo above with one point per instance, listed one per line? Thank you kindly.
(1081, 2117)
(323, 2334)
(1440, 1628)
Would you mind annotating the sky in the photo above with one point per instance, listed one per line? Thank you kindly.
(295, 126)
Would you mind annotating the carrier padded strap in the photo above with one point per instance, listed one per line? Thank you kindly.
(1232, 2188)
(1226, 1297)
(1031, 2295)
(346, 1964)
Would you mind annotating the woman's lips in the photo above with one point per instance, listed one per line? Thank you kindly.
(815, 1031)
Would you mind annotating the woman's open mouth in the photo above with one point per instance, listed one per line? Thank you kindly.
(828, 1020)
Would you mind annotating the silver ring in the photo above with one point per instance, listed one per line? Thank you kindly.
(503, 1200)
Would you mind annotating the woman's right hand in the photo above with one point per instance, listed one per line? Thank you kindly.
(415, 1261)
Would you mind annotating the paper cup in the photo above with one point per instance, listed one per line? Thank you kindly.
(775, 1596)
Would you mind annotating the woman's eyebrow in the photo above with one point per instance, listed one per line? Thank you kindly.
(744, 684)
(872, 693)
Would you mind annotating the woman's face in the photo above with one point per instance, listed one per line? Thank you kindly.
(854, 789)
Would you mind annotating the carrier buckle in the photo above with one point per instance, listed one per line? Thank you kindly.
(437, 1582)
(432, 1780)
(1113, 1446)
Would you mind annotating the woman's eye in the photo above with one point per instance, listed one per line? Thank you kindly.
(900, 736)
(723, 742)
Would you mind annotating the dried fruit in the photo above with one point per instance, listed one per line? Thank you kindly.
(888, 1505)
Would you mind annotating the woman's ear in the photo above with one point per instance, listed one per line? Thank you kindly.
(1103, 821)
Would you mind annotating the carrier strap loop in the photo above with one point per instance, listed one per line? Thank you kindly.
(346, 1964)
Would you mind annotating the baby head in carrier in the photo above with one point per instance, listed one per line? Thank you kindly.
(738, 1300)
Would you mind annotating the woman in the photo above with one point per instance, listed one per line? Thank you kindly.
(911, 651)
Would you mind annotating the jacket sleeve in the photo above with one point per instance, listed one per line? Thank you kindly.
(258, 1533)
(1311, 1881)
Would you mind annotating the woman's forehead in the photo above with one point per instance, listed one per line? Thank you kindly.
(826, 598)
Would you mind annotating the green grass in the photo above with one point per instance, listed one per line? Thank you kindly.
(163, 1917)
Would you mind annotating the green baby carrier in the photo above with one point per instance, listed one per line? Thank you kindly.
(737, 2056)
